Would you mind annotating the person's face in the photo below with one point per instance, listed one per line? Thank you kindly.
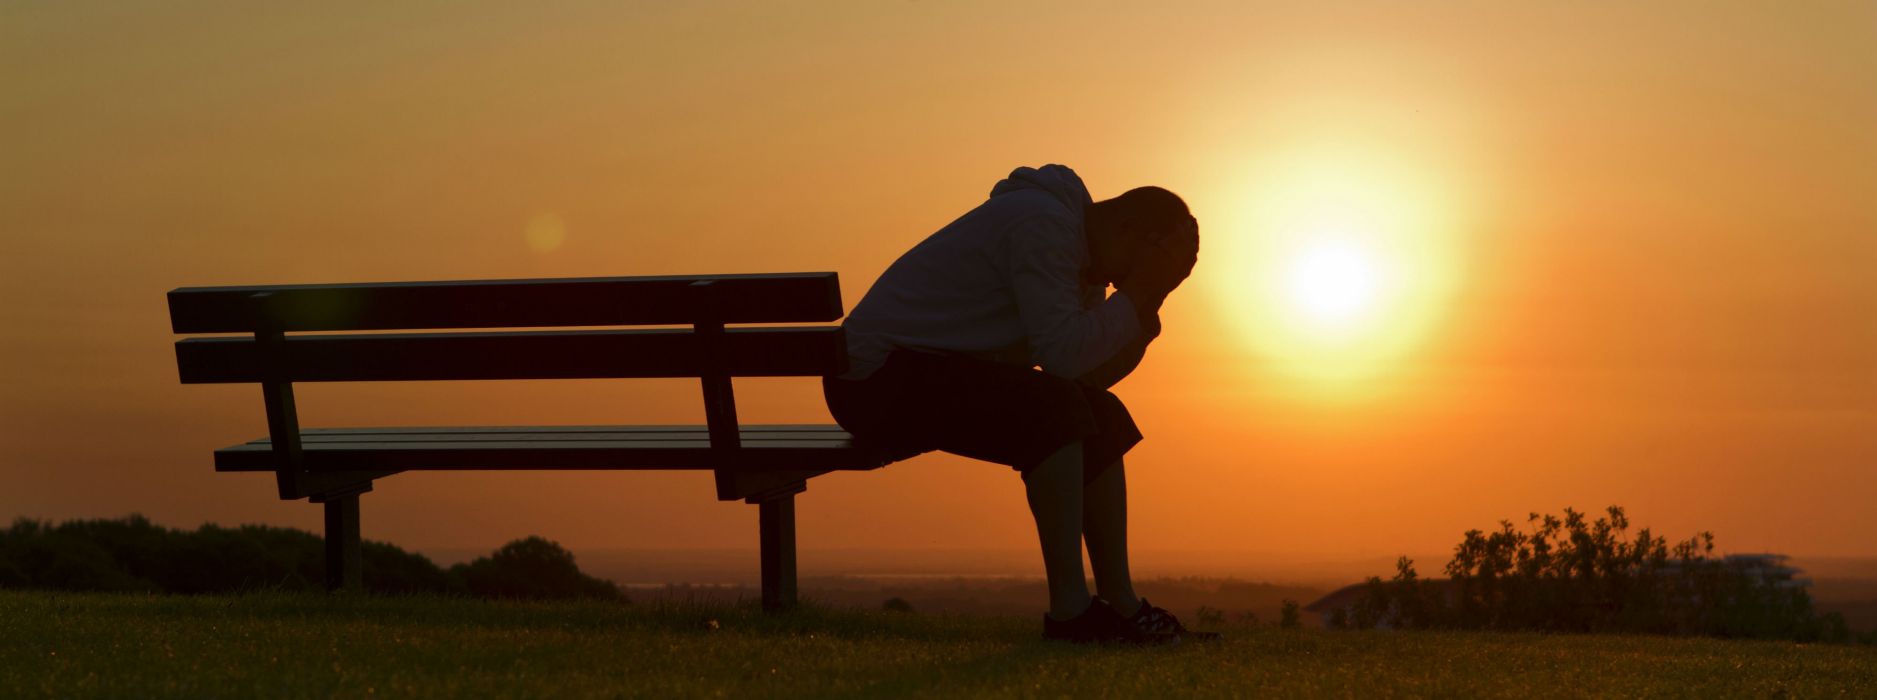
(1116, 252)
(1113, 252)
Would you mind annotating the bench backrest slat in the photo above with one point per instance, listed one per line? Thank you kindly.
(805, 297)
(762, 352)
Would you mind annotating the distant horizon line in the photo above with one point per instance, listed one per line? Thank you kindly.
(1029, 551)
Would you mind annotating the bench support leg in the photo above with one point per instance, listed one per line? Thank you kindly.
(778, 552)
(344, 565)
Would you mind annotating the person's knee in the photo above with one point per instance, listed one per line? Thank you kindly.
(1098, 475)
(1066, 460)
(1106, 401)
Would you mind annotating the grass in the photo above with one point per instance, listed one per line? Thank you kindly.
(281, 645)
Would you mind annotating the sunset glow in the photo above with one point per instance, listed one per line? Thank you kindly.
(1344, 264)
(1625, 247)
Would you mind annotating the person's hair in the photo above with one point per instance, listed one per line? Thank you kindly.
(1148, 209)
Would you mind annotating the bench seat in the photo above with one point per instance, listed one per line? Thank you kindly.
(552, 447)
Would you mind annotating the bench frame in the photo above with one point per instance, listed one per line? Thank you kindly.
(271, 312)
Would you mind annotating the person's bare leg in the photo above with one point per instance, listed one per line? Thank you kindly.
(1054, 489)
(1105, 524)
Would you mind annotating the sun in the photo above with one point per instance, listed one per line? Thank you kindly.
(1332, 283)
(1334, 269)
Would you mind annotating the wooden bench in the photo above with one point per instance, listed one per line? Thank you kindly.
(333, 333)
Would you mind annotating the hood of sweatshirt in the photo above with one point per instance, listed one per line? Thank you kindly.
(1057, 181)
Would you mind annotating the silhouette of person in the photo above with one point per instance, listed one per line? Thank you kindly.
(995, 338)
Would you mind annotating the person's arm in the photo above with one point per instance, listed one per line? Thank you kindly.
(1123, 363)
(1065, 338)
(1161, 269)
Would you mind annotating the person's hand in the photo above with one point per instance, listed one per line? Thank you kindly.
(1181, 245)
(1161, 265)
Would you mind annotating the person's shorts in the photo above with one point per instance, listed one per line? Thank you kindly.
(992, 411)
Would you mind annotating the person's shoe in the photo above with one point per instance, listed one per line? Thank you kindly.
(1154, 620)
(1100, 623)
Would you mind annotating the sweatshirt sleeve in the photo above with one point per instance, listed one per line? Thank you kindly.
(1066, 338)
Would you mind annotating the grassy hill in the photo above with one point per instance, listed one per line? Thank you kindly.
(310, 645)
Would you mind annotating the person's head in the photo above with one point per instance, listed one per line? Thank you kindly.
(1119, 228)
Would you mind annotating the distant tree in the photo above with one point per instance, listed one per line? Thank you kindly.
(1288, 615)
(896, 604)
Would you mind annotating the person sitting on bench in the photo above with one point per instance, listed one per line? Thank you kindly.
(944, 353)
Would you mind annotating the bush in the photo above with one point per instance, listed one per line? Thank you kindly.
(1288, 617)
(1572, 575)
(532, 567)
(132, 554)
(388, 569)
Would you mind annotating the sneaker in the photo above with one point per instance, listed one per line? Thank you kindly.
(1100, 623)
(1154, 620)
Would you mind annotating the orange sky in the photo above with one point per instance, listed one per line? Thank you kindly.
(1631, 249)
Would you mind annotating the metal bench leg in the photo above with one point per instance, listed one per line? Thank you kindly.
(344, 565)
(778, 552)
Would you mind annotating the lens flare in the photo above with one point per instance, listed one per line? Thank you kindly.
(545, 233)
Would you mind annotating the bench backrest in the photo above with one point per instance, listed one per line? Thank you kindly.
(705, 303)
(325, 333)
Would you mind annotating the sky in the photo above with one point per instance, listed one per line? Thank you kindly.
(1461, 261)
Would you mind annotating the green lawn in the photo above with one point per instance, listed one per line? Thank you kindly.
(69, 645)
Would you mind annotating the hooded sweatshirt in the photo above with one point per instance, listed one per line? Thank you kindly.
(1006, 282)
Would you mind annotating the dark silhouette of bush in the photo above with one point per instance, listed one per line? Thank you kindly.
(1288, 616)
(132, 554)
(532, 567)
(1570, 574)
(388, 569)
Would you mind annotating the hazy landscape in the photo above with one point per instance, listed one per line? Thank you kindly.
(1009, 582)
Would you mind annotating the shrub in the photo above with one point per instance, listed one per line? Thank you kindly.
(1288, 617)
(531, 567)
(133, 554)
(1570, 574)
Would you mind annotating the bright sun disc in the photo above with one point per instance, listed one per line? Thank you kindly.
(1337, 268)
(1332, 282)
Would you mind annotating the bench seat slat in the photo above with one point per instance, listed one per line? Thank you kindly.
(559, 447)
